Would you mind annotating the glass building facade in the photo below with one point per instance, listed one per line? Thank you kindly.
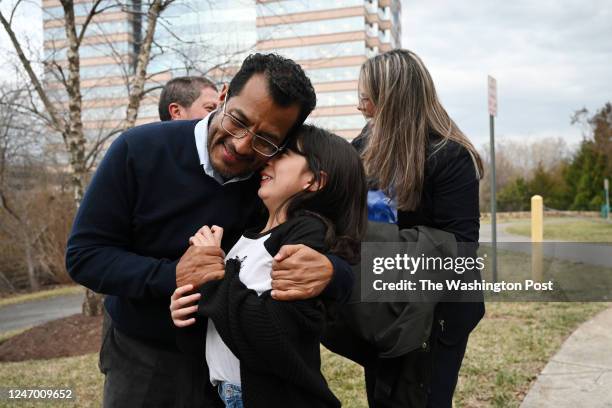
(330, 39)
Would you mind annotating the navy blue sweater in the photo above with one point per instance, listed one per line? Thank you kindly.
(148, 196)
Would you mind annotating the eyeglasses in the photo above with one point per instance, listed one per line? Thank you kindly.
(239, 130)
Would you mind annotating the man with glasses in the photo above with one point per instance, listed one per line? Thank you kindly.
(261, 144)
(156, 186)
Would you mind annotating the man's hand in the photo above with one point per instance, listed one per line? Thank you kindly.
(299, 272)
(200, 264)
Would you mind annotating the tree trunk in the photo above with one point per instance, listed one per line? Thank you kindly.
(75, 137)
(93, 304)
(142, 60)
(71, 128)
(34, 285)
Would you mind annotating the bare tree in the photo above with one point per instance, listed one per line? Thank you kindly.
(14, 223)
(70, 125)
(515, 159)
(58, 97)
(28, 197)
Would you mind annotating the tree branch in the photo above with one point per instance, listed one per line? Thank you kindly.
(138, 82)
(57, 122)
(92, 13)
(8, 208)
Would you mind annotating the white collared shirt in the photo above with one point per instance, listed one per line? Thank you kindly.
(201, 141)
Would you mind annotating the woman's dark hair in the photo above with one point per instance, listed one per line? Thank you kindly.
(287, 83)
(341, 201)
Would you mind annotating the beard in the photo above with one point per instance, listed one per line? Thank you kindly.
(225, 173)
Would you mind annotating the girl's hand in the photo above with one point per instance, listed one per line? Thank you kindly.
(183, 305)
(207, 236)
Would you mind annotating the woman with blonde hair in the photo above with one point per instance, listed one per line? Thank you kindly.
(420, 158)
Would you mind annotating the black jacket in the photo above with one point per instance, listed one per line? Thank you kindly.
(449, 202)
(276, 342)
(392, 328)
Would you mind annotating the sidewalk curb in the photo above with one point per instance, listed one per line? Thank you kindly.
(580, 374)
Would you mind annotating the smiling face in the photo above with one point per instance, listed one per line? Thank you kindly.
(255, 108)
(284, 176)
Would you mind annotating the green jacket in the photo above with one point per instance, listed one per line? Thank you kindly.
(394, 328)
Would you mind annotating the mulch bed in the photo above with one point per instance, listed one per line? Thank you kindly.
(70, 336)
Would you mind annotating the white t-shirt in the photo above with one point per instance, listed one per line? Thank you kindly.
(256, 266)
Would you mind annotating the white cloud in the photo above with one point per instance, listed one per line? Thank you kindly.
(550, 58)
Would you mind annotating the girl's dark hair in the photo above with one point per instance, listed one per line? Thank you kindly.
(341, 202)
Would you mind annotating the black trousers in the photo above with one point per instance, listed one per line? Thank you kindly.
(424, 378)
(137, 374)
(447, 361)
(400, 382)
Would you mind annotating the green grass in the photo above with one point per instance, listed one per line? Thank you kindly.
(511, 346)
(43, 294)
(345, 379)
(78, 373)
(567, 229)
(505, 353)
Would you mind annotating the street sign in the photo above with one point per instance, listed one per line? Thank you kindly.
(606, 184)
(492, 96)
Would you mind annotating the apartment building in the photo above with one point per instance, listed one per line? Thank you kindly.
(330, 39)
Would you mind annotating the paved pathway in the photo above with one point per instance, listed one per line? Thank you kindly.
(582, 252)
(32, 313)
(502, 235)
(580, 374)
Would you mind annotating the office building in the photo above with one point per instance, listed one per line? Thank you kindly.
(330, 39)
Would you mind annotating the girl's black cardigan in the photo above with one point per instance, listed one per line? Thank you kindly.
(276, 342)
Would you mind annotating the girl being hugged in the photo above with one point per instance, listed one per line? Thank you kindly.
(261, 352)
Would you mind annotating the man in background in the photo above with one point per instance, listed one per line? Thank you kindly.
(187, 98)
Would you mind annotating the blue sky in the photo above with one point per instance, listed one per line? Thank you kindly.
(550, 58)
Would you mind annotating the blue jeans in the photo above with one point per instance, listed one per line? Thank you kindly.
(230, 394)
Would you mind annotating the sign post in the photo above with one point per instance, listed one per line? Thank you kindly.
(492, 85)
